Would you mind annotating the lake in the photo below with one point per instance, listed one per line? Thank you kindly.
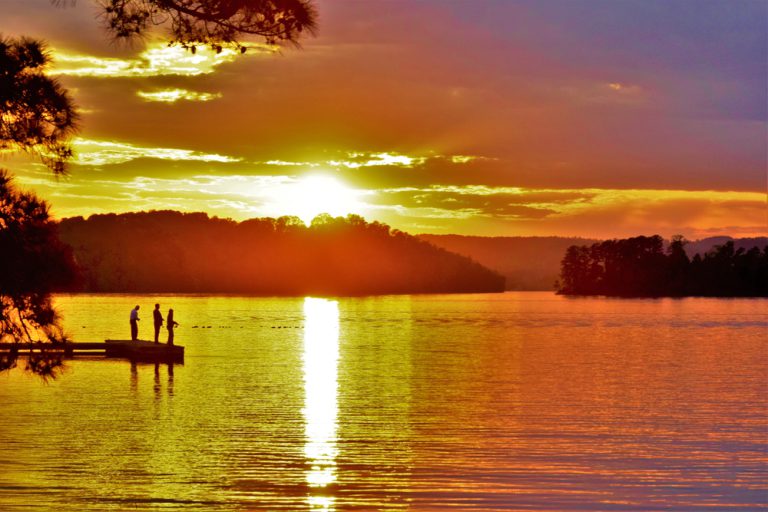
(514, 401)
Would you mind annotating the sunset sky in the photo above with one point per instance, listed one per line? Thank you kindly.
(489, 117)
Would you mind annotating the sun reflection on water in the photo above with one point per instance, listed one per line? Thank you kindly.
(320, 358)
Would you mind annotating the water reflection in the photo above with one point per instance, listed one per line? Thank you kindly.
(513, 402)
(8, 360)
(45, 362)
(134, 377)
(320, 365)
(157, 380)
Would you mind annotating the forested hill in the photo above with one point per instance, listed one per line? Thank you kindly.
(168, 251)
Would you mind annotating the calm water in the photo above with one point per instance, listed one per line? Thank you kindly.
(520, 401)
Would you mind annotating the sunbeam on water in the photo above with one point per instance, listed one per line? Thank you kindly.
(320, 364)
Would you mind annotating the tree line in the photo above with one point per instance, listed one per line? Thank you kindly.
(170, 251)
(643, 267)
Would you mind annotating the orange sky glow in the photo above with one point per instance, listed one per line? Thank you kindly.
(594, 119)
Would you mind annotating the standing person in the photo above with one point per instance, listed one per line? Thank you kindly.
(135, 323)
(158, 317)
(170, 325)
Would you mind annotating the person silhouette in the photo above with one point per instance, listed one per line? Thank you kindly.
(158, 317)
(171, 323)
(135, 323)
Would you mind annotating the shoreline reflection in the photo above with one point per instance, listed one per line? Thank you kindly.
(320, 366)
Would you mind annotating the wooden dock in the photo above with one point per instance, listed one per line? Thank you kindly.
(140, 350)
(144, 350)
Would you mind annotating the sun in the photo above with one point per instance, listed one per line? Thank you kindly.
(312, 195)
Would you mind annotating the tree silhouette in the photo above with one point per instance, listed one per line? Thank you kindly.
(639, 267)
(34, 262)
(37, 114)
(214, 23)
(678, 267)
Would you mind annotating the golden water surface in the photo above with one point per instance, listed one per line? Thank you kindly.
(516, 401)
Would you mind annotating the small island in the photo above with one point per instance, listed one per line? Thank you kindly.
(643, 267)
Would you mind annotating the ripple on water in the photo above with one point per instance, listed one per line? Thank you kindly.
(520, 401)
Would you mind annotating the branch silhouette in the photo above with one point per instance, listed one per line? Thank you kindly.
(213, 23)
(37, 114)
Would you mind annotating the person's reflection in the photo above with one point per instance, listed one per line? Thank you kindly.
(157, 388)
(157, 382)
(134, 376)
(170, 379)
(321, 354)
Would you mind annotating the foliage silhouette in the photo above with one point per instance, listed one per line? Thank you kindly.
(37, 114)
(34, 262)
(168, 251)
(640, 267)
(213, 23)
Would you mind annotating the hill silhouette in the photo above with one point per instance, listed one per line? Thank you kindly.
(170, 251)
(533, 262)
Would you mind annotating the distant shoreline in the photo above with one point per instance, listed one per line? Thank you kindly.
(169, 251)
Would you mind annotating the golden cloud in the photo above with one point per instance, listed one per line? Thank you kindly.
(463, 159)
(97, 152)
(234, 196)
(512, 203)
(357, 160)
(157, 59)
(624, 88)
(174, 95)
(285, 163)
